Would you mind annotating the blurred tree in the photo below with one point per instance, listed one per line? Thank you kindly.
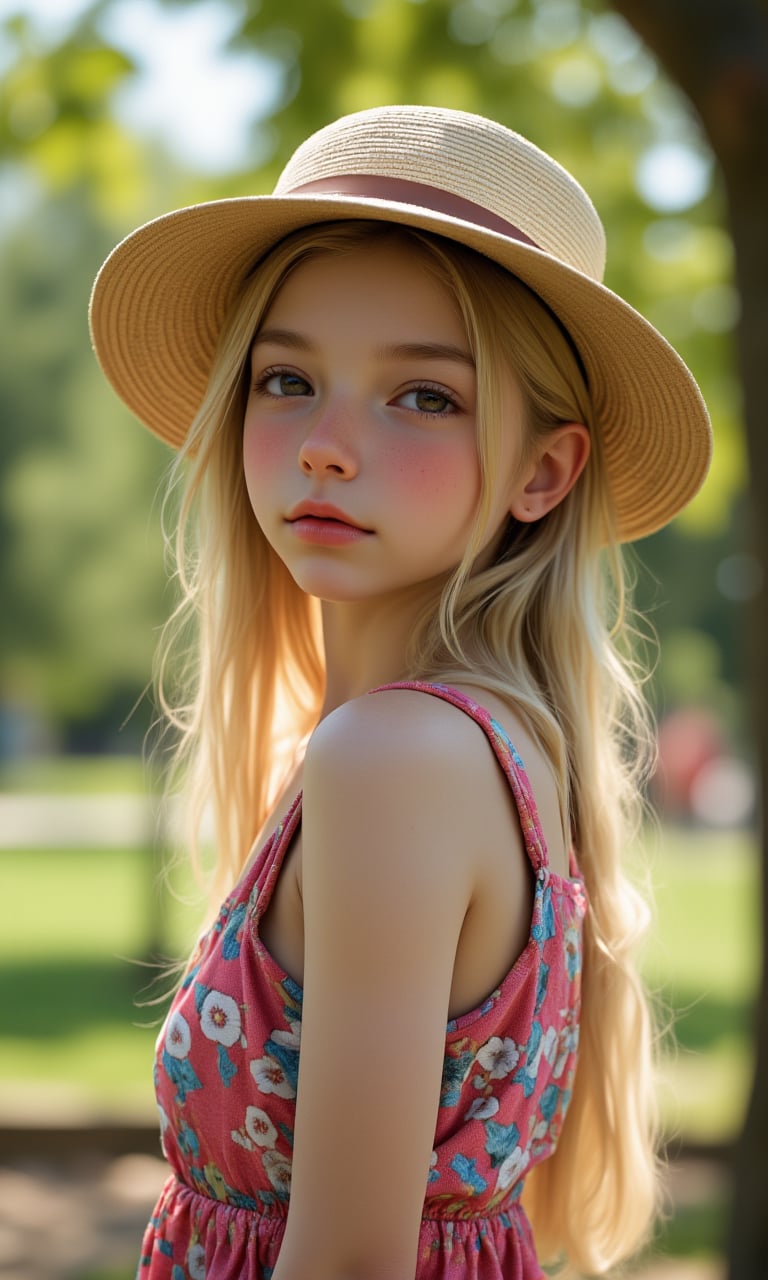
(719, 55)
(83, 584)
(82, 577)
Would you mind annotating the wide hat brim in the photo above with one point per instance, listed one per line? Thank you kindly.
(160, 300)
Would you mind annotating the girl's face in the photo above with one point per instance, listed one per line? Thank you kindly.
(359, 444)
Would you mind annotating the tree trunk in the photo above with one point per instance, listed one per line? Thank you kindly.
(717, 52)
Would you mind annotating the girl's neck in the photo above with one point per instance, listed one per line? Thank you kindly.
(366, 645)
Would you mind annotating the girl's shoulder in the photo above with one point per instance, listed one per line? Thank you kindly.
(426, 752)
(395, 730)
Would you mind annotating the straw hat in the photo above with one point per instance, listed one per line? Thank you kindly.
(160, 298)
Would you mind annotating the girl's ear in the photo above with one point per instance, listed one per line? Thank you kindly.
(551, 473)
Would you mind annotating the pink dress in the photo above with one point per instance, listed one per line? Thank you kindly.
(227, 1066)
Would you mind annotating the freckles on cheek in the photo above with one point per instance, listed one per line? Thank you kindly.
(434, 473)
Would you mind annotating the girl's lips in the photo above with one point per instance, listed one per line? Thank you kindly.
(325, 525)
(326, 530)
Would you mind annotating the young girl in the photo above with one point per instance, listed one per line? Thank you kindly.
(413, 428)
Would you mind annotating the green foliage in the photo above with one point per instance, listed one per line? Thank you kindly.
(85, 578)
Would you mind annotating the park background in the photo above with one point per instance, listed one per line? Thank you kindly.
(112, 113)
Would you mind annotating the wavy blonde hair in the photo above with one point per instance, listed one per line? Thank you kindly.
(544, 626)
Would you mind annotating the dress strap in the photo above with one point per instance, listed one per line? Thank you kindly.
(507, 757)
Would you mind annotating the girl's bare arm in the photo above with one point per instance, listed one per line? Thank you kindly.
(389, 840)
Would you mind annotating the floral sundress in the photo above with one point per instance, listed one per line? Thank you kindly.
(227, 1064)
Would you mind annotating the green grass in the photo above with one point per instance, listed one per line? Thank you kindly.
(100, 902)
(80, 939)
(76, 923)
(702, 959)
(76, 775)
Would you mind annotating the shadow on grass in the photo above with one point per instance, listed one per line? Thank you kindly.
(695, 1229)
(699, 1022)
(46, 1000)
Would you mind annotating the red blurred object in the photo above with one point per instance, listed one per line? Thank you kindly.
(688, 739)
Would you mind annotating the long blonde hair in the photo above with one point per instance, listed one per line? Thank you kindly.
(544, 626)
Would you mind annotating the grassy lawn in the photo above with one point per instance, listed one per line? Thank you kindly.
(78, 930)
(702, 959)
(75, 775)
(77, 926)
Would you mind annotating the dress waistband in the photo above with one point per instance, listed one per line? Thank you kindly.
(507, 1215)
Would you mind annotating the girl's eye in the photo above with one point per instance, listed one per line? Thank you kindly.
(281, 383)
(430, 401)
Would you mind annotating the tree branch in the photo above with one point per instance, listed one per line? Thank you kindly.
(717, 52)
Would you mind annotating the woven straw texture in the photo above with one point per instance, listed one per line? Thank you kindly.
(161, 297)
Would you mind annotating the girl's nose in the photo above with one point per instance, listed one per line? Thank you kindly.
(327, 449)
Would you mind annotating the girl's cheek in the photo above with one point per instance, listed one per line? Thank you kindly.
(432, 473)
(262, 450)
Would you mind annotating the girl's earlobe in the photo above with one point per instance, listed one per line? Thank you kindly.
(552, 472)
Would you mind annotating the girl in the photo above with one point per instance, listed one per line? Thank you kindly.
(414, 428)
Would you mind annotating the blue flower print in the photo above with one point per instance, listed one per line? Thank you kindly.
(188, 1142)
(181, 1073)
(526, 1075)
(500, 1141)
(468, 1173)
(541, 988)
(546, 927)
(502, 737)
(227, 1068)
(294, 998)
(230, 942)
(454, 1074)
(549, 1100)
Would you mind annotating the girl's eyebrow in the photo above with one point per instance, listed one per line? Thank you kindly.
(283, 338)
(398, 351)
(427, 351)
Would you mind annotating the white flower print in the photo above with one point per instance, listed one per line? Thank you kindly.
(240, 1138)
(278, 1170)
(196, 1262)
(178, 1037)
(271, 1078)
(540, 1131)
(567, 1041)
(482, 1109)
(548, 1045)
(220, 1018)
(511, 1168)
(290, 1039)
(260, 1128)
(164, 1121)
(498, 1057)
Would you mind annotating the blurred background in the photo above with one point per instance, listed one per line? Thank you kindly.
(111, 113)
